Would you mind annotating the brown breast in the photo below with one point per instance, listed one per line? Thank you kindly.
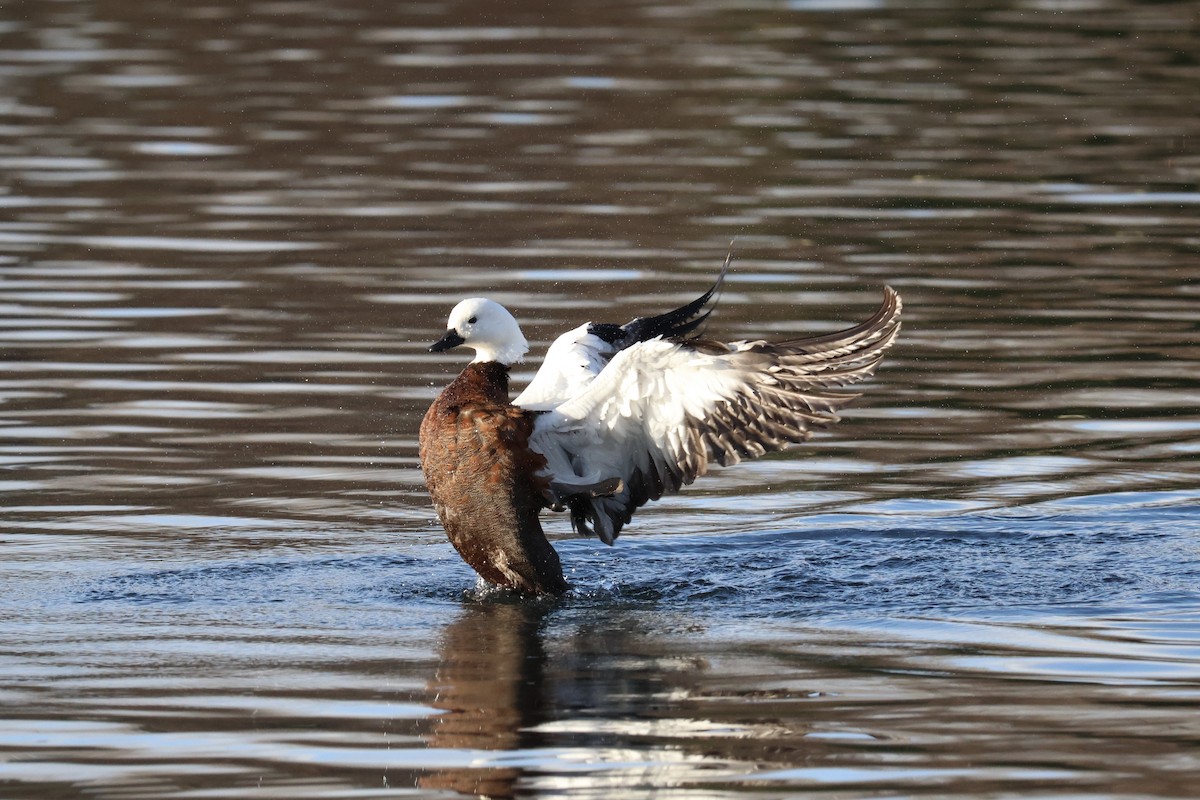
(474, 448)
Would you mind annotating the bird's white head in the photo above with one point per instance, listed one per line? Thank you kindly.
(487, 328)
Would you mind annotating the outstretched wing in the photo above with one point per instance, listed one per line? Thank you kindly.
(664, 409)
(578, 356)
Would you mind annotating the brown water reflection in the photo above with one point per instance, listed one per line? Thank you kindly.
(227, 232)
(489, 684)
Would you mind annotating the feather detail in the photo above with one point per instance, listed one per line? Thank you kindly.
(664, 410)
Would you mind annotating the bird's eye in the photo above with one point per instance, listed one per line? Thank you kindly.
(473, 320)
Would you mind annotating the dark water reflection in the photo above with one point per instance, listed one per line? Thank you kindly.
(227, 232)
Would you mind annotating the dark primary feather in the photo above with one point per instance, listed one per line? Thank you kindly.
(678, 324)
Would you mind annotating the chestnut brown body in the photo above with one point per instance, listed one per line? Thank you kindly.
(485, 481)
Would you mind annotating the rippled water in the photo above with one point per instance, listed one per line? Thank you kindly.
(228, 231)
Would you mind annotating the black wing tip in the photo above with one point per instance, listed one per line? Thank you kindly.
(607, 331)
(682, 322)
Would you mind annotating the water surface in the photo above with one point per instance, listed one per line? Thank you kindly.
(229, 231)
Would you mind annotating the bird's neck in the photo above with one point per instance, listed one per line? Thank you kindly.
(508, 353)
(481, 381)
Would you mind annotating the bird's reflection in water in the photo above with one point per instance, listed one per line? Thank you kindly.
(541, 695)
(490, 683)
(555, 692)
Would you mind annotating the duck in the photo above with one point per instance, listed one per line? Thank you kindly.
(616, 416)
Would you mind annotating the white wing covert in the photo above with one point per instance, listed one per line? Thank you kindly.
(578, 356)
(663, 409)
(571, 363)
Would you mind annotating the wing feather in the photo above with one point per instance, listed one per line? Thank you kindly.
(578, 356)
(663, 410)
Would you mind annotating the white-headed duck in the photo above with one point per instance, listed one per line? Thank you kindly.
(616, 416)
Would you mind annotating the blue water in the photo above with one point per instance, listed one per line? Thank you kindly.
(1101, 554)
